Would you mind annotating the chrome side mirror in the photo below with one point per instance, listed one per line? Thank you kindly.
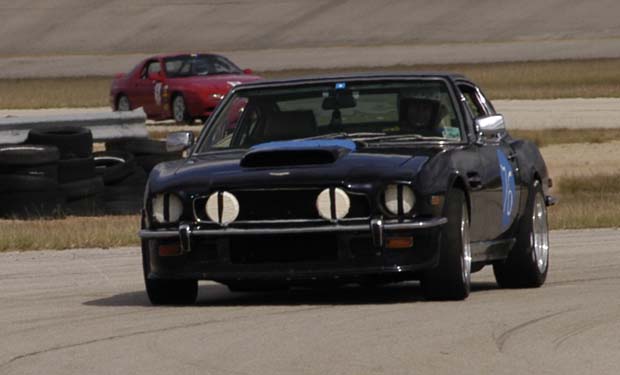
(179, 141)
(490, 126)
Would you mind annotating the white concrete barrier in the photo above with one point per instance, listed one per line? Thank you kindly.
(104, 126)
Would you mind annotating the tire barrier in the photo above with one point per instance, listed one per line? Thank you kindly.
(29, 181)
(60, 175)
(148, 152)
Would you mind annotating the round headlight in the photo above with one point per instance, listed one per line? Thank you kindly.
(333, 204)
(399, 199)
(167, 208)
(222, 207)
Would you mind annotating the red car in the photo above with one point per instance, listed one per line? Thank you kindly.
(182, 87)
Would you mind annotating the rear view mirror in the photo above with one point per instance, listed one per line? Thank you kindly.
(248, 71)
(179, 141)
(339, 102)
(491, 126)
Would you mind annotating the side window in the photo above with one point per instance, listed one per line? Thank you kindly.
(473, 102)
(489, 109)
(150, 67)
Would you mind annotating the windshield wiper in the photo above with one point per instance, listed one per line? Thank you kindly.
(402, 138)
(344, 135)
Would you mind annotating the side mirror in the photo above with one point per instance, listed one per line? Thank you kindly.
(179, 141)
(490, 126)
(248, 71)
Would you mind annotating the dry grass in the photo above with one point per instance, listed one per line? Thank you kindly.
(515, 80)
(69, 233)
(556, 136)
(591, 202)
(54, 92)
(520, 80)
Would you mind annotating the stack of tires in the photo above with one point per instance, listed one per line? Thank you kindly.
(148, 152)
(82, 188)
(29, 185)
(125, 166)
(124, 182)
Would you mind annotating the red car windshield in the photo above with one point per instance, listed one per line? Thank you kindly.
(198, 65)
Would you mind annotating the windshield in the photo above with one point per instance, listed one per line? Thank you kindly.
(198, 65)
(373, 113)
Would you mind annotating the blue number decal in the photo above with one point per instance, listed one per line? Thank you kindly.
(508, 188)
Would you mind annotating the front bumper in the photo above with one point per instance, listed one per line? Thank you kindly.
(305, 252)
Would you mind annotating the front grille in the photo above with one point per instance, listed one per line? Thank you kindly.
(283, 249)
(283, 204)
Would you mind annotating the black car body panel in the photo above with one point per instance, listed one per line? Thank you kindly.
(278, 235)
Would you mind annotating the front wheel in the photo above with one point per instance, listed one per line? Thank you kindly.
(167, 292)
(528, 262)
(123, 104)
(179, 110)
(451, 279)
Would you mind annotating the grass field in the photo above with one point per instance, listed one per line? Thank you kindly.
(516, 80)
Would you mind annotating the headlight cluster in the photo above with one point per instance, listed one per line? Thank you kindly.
(399, 199)
(167, 208)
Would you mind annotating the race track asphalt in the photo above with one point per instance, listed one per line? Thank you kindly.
(85, 312)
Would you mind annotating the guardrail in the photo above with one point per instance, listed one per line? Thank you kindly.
(104, 126)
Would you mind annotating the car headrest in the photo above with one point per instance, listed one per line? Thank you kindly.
(420, 112)
(290, 125)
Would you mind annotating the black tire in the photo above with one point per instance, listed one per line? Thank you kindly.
(72, 142)
(49, 171)
(126, 196)
(525, 267)
(451, 279)
(137, 146)
(32, 204)
(26, 183)
(91, 205)
(180, 114)
(12, 156)
(123, 104)
(83, 188)
(114, 166)
(167, 292)
(76, 169)
(148, 162)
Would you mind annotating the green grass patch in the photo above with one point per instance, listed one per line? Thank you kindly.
(511, 80)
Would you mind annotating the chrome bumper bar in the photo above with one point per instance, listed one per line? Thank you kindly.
(377, 227)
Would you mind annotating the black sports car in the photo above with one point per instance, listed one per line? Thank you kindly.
(349, 179)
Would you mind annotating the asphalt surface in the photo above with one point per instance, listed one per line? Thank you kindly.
(91, 37)
(85, 312)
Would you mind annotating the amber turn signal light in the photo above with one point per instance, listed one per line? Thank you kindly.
(399, 243)
(168, 250)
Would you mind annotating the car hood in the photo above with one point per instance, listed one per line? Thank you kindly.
(282, 164)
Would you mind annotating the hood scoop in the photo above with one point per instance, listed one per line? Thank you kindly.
(290, 153)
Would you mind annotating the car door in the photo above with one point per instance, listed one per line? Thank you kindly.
(499, 178)
(147, 89)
